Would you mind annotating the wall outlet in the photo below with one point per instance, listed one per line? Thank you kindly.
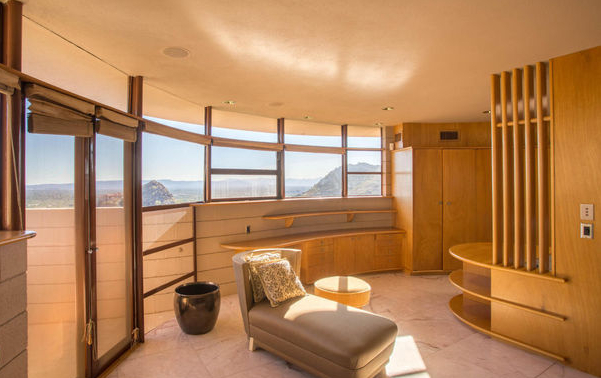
(248, 229)
(586, 231)
(587, 211)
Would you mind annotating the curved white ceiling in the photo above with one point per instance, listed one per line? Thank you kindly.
(338, 61)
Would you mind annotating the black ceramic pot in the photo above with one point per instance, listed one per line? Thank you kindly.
(196, 306)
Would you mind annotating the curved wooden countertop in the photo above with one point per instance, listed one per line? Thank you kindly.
(9, 237)
(292, 239)
(480, 254)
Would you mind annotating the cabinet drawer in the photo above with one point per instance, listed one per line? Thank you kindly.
(388, 239)
(387, 250)
(387, 262)
(319, 243)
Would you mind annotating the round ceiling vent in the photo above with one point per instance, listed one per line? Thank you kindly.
(176, 52)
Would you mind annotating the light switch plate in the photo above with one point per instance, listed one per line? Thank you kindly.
(587, 211)
(586, 231)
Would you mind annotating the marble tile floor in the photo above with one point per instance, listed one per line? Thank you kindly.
(418, 304)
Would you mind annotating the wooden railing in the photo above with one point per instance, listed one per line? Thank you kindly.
(521, 119)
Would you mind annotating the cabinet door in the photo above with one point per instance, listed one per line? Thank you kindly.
(459, 198)
(427, 209)
(483, 232)
(363, 250)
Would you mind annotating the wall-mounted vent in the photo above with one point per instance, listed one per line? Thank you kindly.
(449, 135)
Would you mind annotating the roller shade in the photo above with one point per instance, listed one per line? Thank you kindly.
(53, 112)
(160, 129)
(116, 125)
(8, 82)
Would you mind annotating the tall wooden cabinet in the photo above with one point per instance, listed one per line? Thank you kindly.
(442, 198)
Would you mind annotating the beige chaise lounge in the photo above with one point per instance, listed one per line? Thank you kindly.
(323, 337)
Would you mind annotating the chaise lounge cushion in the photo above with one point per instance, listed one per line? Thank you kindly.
(349, 337)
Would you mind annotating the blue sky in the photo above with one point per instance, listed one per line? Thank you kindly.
(50, 158)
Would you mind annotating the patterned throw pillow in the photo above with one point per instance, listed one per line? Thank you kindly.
(255, 281)
(279, 281)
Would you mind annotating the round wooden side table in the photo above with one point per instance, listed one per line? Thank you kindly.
(348, 290)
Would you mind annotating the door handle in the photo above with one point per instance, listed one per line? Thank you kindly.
(440, 202)
(449, 202)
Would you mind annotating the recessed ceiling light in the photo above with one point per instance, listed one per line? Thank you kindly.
(176, 52)
(378, 124)
(308, 117)
(388, 108)
(229, 102)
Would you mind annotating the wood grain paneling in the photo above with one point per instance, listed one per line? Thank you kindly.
(427, 202)
(577, 137)
(474, 134)
(459, 202)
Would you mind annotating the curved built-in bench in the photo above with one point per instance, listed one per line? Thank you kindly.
(503, 302)
(337, 252)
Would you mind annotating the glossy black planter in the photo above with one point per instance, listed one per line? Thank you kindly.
(196, 306)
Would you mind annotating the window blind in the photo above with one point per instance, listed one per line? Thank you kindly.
(116, 125)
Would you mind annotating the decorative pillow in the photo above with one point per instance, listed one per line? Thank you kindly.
(255, 281)
(279, 281)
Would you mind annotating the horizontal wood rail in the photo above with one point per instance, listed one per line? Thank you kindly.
(163, 247)
(9, 237)
(523, 122)
(167, 284)
(350, 214)
(292, 239)
(479, 286)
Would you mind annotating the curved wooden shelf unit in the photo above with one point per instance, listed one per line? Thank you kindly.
(9, 237)
(292, 239)
(477, 316)
(480, 254)
(350, 215)
(479, 286)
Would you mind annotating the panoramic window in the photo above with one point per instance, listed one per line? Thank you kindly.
(165, 180)
(364, 172)
(243, 126)
(312, 134)
(242, 173)
(313, 174)
(364, 137)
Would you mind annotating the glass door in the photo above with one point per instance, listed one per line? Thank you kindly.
(110, 255)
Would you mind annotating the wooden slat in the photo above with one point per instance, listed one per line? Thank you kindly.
(207, 167)
(314, 149)
(518, 172)
(543, 171)
(262, 146)
(507, 174)
(530, 178)
(497, 174)
(171, 132)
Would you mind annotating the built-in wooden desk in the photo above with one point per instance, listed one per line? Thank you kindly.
(489, 305)
(350, 215)
(337, 252)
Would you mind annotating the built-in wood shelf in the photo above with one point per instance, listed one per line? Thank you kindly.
(294, 239)
(9, 237)
(477, 315)
(479, 286)
(350, 215)
(480, 254)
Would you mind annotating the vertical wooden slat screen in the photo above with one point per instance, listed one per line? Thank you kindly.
(530, 179)
(507, 173)
(521, 124)
(497, 174)
(518, 171)
(543, 169)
